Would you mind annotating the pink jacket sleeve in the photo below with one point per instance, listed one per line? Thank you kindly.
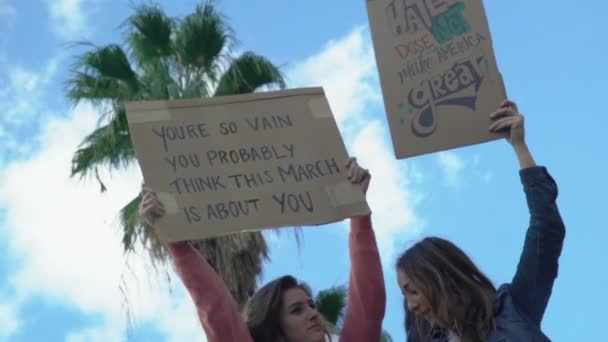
(366, 293)
(216, 308)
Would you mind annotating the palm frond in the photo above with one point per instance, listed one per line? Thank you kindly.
(157, 82)
(110, 62)
(95, 88)
(129, 220)
(386, 337)
(201, 39)
(109, 146)
(247, 73)
(331, 303)
(149, 33)
(135, 230)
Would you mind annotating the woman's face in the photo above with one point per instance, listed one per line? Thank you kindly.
(416, 301)
(300, 320)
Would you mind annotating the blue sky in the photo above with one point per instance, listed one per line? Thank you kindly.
(60, 260)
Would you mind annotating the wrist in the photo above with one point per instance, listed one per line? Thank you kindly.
(523, 155)
(520, 146)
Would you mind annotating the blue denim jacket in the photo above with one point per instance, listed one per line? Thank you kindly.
(520, 305)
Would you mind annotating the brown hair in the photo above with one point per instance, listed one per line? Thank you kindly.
(460, 295)
(263, 312)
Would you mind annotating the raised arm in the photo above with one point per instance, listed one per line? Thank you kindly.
(217, 310)
(538, 265)
(366, 292)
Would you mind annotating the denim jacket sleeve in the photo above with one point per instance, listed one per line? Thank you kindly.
(538, 265)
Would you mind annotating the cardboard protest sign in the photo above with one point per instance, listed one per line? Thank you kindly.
(246, 162)
(438, 72)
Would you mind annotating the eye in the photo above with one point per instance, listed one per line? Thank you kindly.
(408, 291)
(297, 309)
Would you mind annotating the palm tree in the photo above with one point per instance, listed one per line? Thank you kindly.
(331, 304)
(167, 58)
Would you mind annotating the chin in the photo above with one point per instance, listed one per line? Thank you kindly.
(318, 335)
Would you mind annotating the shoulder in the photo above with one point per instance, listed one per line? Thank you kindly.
(502, 293)
(505, 306)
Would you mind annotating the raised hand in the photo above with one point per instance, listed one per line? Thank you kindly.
(508, 118)
(357, 174)
(150, 207)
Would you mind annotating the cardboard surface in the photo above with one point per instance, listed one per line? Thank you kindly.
(438, 73)
(246, 162)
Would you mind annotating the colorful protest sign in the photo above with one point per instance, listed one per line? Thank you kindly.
(438, 73)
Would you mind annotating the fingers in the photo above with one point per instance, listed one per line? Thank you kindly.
(154, 206)
(352, 165)
(357, 174)
(155, 210)
(504, 123)
(509, 104)
(365, 183)
(150, 208)
(350, 161)
(502, 112)
(496, 125)
(360, 174)
(150, 199)
(507, 108)
(147, 221)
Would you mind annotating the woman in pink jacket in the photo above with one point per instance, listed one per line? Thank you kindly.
(283, 310)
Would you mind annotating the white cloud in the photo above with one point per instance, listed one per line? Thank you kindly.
(23, 104)
(94, 335)
(452, 166)
(9, 324)
(6, 10)
(21, 98)
(390, 197)
(68, 17)
(347, 71)
(65, 235)
(24, 80)
(485, 175)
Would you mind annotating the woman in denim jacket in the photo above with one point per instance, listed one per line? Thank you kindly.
(448, 299)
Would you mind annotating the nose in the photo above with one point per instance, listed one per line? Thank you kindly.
(413, 306)
(313, 314)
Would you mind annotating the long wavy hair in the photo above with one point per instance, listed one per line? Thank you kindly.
(263, 311)
(460, 296)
